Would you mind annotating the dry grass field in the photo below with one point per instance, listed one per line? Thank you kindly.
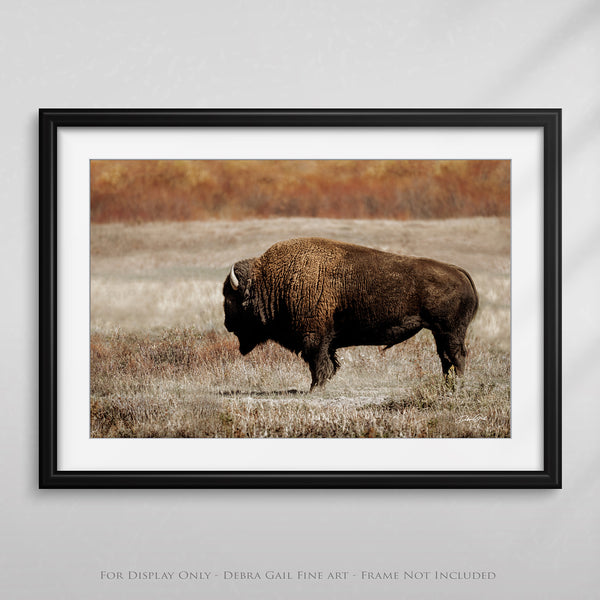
(163, 365)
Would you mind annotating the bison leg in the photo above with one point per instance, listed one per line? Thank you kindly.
(322, 362)
(440, 344)
(452, 352)
(334, 360)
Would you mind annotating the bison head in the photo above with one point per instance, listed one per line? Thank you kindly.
(240, 313)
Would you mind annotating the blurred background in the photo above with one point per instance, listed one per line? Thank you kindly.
(181, 190)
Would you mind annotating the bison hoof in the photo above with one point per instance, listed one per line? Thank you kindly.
(450, 378)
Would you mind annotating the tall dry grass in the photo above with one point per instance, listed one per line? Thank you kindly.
(137, 191)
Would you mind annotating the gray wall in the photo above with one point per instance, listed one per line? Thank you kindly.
(305, 54)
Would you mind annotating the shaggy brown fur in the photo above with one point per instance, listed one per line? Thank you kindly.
(314, 295)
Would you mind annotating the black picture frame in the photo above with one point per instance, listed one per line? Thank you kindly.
(51, 120)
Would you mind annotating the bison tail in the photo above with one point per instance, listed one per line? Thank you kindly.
(466, 274)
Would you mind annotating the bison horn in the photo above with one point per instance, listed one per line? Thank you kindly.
(235, 284)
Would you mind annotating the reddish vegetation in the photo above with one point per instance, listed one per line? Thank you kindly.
(173, 353)
(181, 190)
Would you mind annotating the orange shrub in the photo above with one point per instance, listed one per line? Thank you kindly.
(181, 190)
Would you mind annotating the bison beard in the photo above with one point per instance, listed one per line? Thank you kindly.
(314, 295)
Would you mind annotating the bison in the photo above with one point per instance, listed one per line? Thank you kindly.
(314, 295)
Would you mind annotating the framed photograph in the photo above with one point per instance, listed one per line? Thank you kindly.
(300, 298)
